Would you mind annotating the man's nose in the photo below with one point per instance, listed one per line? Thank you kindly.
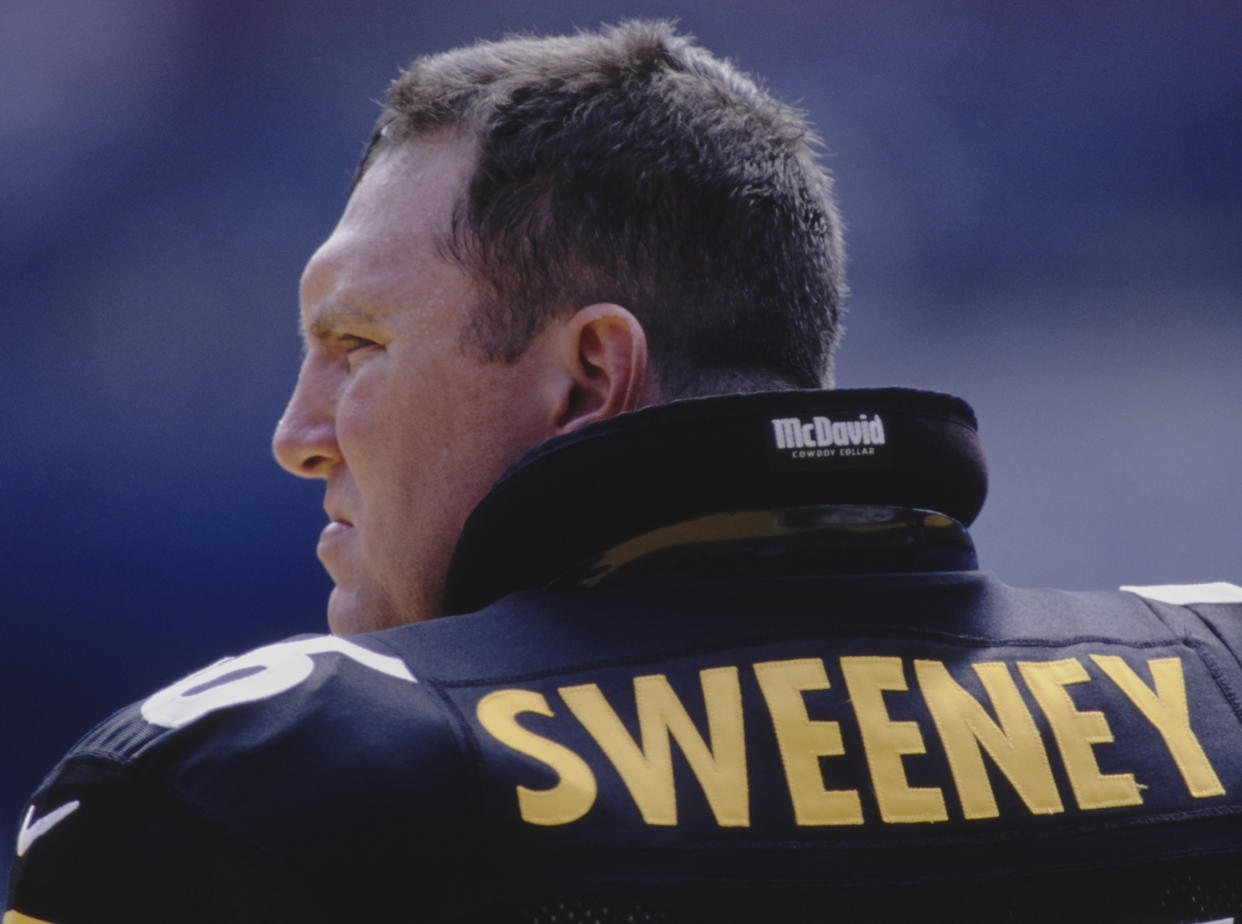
(305, 439)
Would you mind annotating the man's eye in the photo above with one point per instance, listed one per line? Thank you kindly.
(351, 343)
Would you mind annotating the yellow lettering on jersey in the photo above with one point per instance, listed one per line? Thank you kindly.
(647, 770)
(575, 792)
(1076, 733)
(16, 917)
(885, 741)
(1166, 709)
(802, 741)
(966, 729)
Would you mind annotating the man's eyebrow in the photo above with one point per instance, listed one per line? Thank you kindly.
(322, 321)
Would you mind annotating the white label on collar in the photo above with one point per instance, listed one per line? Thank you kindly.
(821, 442)
(1190, 594)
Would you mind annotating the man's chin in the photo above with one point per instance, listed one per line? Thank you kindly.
(352, 610)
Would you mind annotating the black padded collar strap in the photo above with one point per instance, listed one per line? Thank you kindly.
(581, 493)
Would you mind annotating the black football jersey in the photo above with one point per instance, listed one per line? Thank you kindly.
(760, 678)
(935, 746)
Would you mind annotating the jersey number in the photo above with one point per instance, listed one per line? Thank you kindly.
(257, 675)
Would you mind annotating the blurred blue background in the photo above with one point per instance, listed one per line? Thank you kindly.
(1045, 213)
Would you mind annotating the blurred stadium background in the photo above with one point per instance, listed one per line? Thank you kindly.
(1045, 211)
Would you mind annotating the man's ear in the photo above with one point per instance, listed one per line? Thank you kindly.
(603, 348)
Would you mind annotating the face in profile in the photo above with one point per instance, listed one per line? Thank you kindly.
(406, 426)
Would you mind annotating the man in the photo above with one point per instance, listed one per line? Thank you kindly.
(510, 269)
(648, 655)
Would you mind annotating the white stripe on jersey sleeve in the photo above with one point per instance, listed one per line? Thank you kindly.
(1190, 594)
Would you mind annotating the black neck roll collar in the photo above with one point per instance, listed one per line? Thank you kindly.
(577, 495)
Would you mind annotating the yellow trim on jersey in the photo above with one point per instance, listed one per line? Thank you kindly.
(16, 917)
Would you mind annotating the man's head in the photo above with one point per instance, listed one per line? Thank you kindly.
(631, 166)
(532, 220)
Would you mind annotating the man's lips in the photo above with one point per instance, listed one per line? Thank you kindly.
(335, 512)
(331, 539)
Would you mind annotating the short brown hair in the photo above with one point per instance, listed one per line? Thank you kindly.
(629, 165)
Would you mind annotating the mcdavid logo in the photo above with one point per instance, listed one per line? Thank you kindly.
(821, 432)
